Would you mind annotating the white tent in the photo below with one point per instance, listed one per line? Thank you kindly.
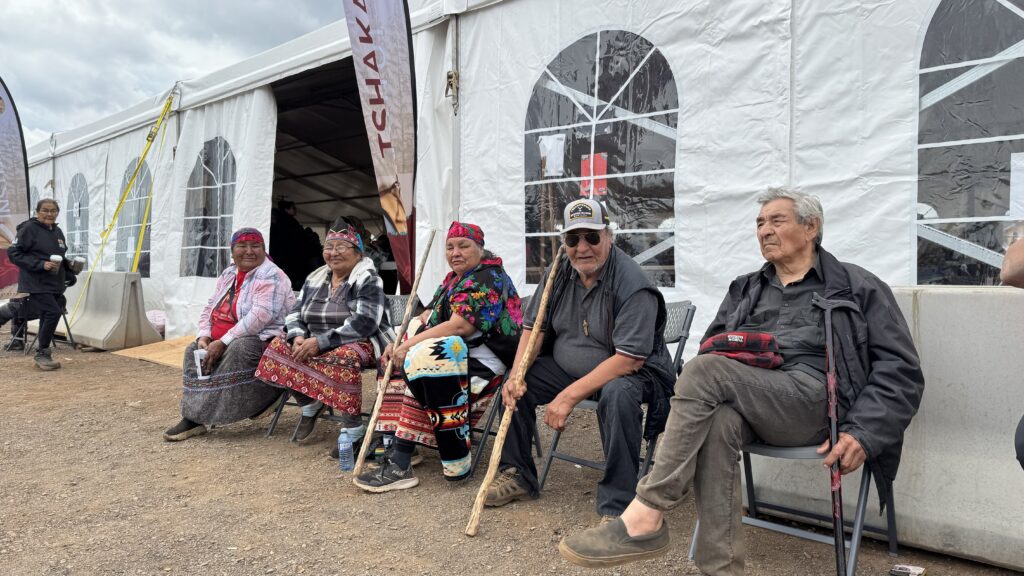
(901, 116)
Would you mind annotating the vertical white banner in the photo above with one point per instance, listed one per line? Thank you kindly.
(380, 37)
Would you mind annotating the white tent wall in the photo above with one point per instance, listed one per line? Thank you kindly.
(40, 180)
(437, 200)
(81, 179)
(731, 66)
(119, 251)
(248, 124)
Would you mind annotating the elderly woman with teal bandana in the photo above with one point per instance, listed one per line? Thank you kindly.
(246, 310)
(338, 326)
(452, 365)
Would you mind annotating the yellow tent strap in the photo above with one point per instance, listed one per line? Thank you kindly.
(105, 235)
(145, 215)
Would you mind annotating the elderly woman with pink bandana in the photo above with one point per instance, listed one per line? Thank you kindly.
(451, 366)
(246, 310)
(338, 326)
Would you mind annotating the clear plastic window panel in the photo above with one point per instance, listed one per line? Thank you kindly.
(970, 188)
(77, 218)
(130, 221)
(602, 122)
(209, 205)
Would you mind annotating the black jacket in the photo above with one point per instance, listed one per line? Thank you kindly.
(34, 245)
(880, 378)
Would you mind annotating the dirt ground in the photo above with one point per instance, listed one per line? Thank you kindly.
(89, 487)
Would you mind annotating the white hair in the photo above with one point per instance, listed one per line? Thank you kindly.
(806, 206)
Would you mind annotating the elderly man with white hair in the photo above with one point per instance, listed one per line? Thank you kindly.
(772, 387)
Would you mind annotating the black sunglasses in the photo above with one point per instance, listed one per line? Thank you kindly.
(592, 238)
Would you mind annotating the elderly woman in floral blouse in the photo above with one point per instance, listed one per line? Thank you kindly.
(452, 366)
(246, 310)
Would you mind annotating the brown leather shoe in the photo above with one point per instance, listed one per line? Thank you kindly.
(608, 544)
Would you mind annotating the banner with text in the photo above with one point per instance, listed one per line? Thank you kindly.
(381, 52)
(14, 206)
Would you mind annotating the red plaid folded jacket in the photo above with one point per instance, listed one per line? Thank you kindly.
(758, 349)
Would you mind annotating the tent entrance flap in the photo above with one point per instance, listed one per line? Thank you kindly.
(322, 171)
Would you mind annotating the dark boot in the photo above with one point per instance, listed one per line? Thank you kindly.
(44, 361)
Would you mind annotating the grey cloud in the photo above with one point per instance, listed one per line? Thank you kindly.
(71, 63)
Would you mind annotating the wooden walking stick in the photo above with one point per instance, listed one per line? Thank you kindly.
(518, 382)
(383, 385)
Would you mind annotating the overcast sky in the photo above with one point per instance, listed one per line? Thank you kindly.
(70, 62)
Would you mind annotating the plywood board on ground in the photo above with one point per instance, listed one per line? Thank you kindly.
(167, 352)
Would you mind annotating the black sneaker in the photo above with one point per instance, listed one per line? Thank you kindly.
(386, 478)
(44, 361)
(18, 345)
(184, 430)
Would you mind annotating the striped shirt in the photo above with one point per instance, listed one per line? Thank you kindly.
(262, 302)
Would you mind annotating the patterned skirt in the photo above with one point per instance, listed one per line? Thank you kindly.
(332, 377)
(232, 392)
(434, 401)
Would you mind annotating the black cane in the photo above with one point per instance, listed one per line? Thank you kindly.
(838, 525)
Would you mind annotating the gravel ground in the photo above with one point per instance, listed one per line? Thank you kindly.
(89, 487)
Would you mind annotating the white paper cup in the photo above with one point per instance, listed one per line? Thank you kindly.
(56, 259)
(77, 264)
(200, 355)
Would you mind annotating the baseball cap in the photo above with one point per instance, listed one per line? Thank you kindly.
(585, 213)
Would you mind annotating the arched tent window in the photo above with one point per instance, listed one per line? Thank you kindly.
(602, 122)
(129, 221)
(33, 198)
(77, 217)
(970, 140)
(209, 204)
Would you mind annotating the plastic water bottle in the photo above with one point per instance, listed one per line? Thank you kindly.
(346, 461)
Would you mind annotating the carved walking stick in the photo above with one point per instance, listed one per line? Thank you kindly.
(382, 386)
(518, 381)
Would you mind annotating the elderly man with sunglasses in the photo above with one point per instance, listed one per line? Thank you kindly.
(603, 336)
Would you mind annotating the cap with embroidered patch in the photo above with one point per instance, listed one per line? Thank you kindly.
(585, 213)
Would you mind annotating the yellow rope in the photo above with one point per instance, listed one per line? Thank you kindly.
(105, 235)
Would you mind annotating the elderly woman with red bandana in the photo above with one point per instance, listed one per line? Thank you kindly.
(338, 326)
(452, 366)
(246, 310)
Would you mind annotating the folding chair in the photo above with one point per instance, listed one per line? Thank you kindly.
(677, 330)
(26, 314)
(396, 313)
(486, 432)
(858, 527)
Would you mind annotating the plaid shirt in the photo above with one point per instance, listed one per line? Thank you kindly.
(263, 301)
(367, 310)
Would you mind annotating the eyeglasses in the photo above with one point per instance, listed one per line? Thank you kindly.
(338, 248)
(49, 211)
(592, 238)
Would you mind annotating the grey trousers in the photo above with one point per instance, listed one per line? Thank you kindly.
(718, 405)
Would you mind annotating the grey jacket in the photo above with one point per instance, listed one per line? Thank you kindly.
(880, 378)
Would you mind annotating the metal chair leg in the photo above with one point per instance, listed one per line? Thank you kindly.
(485, 432)
(693, 541)
(649, 457)
(890, 517)
(547, 461)
(748, 476)
(858, 522)
(67, 329)
(277, 415)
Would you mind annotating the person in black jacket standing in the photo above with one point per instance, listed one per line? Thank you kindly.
(38, 240)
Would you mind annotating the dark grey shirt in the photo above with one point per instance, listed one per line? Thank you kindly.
(787, 312)
(580, 324)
